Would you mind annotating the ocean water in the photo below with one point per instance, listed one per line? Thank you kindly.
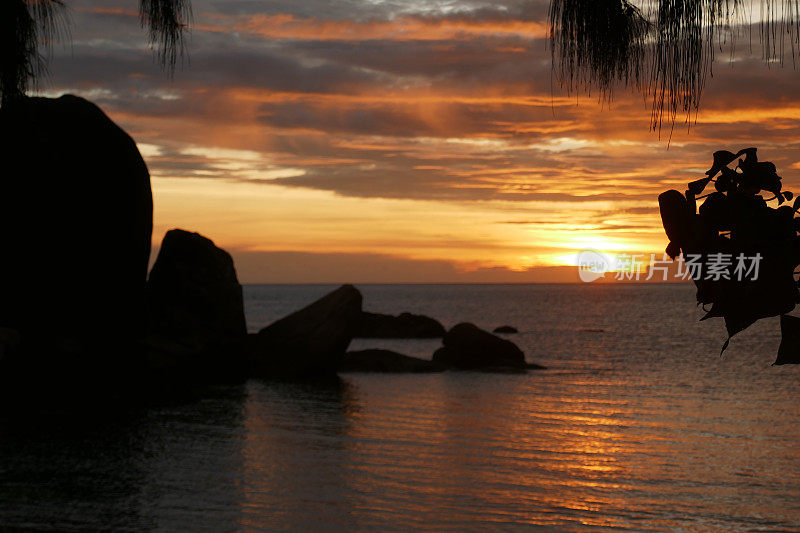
(637, 424)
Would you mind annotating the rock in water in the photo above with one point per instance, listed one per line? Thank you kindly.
(505, 329)
(789, 350)
(404, 326)
(376, 360)
(195, 303)
(75, 222)
(466, 346)
(309, 342)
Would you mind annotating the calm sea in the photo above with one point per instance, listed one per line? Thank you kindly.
(638, 425)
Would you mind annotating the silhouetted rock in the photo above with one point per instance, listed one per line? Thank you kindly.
(789, 350)
(375, 360)
(404, 326)
(195, 306)
(505, 329)
(309, 342)
(466, 346)
(75, 223)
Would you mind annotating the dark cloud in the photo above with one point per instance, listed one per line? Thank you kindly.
(470, 117)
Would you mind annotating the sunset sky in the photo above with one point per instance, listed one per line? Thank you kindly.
(404, 140)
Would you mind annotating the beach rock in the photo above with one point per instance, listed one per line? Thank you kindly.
(404, 326)
(309, 342)
(466, 346)
(505, 329)
(195, 303)
(789, 349)
(375, 360)
(75, 223)
(162, 361)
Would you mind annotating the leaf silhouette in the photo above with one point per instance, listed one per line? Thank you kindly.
(675, 217)
(716, 211)
(722, 158)
(789, 350)
(674, 249)
(736, 221)
(697, 187)
(725, 181)
(725, 346)
(750, 155)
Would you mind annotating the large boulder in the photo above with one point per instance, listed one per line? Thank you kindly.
(377, 360)
(196, 311)
(75, 225)
(468, 347)
(404, 326)
(309, 342)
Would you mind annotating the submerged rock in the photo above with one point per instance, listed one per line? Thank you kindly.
(309, 342)
(75, 222)
(505, 329)
(376, 360)
(466, 346)
(404, 326)
(195, 305)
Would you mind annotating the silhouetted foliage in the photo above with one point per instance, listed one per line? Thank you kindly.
(28, 26)
(580, 31)
(664, 49)
(733, 230)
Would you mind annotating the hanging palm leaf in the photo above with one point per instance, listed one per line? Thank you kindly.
(25, 26)
(166, 21)
(597, 43)
(29, 27)
(668, 51)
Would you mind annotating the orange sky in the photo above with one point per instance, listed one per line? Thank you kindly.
(403, 141)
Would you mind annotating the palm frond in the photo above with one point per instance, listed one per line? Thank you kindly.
(597, 43)
(668, 51)
(29, 27)
(26, 28)
(166, 22)
(780, 25)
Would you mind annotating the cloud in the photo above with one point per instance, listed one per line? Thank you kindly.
(304, 267)
(442, 101)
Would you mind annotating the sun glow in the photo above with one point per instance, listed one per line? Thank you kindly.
(439, 143)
